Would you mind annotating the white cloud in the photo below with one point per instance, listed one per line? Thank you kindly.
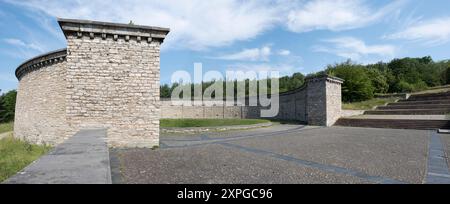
(21, 49)
(20, 43)
(200, 24)
(355, 49)
(255, 54)
(282, 69)
(195, 24)
(435, 31)
(336, 15)
(284, 52)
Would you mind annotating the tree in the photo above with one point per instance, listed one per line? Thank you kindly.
(2, 109)
(378, 80)
(357, 85)
(447, 73)
(8, 101)
(165, 91)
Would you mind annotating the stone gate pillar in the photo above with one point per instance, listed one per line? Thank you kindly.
(112, 80)
(323, 100)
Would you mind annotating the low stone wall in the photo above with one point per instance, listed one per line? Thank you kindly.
(318, 102)
(170, 111)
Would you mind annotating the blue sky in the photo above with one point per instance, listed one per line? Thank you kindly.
(284, 35)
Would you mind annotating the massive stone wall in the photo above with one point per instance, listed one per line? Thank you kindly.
(318, 102)
(114, 83)
(109, 79)
(40, 107)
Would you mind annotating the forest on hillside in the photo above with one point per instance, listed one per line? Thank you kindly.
(362, 82)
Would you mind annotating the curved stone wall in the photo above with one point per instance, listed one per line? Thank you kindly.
(40, 107)
(318, 102)
(108, 78)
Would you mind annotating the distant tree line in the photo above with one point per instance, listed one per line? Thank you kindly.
(286, 83)
(362, 82)
(7, 106)
(398, 76)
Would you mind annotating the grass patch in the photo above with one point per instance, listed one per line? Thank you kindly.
(287, 122)
(167, 123)
(369, 104)
(16, 155)
(6, 127)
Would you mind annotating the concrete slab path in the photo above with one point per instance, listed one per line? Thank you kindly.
(82, 159)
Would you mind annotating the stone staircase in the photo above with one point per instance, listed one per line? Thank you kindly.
(423, 111)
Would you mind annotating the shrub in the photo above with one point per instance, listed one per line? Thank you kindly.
(404, 87)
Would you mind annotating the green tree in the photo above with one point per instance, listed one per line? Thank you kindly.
(165, 91)
(447, 74)
(8, 102)
(378, 80)
(2, 109)
(357, 85)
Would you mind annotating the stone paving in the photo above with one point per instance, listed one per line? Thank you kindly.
(82, 159)
(289, 154)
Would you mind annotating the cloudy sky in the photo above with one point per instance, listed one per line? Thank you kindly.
(285, 35)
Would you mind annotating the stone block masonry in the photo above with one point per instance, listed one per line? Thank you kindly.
(108, 78)
(318, 102)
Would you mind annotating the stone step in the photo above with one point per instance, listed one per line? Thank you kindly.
(415, 106)
(431, 95)
(408, 112)
(426, 98)
(420, 102)
(394, 123)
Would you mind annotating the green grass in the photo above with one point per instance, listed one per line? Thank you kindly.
(369, 104)
(16, 154)
(6, 127)
(165, 123)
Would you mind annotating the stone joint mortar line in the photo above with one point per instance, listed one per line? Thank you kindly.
(315, 165)
(216, 141)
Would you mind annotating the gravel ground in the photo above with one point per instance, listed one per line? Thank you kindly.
(281, 154)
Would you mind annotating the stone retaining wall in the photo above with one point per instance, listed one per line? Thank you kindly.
(318, 102)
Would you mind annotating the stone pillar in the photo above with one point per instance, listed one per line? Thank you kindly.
(323, 100)
(112, 80)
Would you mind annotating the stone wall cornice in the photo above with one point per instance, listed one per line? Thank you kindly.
(324, 77)
(115, 30)
(40, 62)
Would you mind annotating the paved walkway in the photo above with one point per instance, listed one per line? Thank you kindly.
(83, 158)
(290, 154)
